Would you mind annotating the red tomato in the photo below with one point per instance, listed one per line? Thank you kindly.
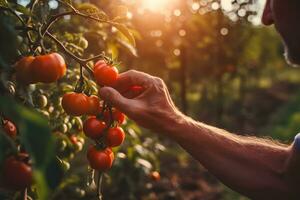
(115, 137)
(10, 129)
(100, 63)
(106, 117)
(48, 68)
(101, 160)
(94, 105)
(94, 128)
(17, 174)
(136, 88)
(75, 104)
(118, 116)
(104, 74)
(73, 139)
(23, 70)
(155, 175)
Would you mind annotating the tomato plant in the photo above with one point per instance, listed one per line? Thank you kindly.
(51, 72)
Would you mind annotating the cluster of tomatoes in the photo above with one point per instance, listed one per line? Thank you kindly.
(17, 172)
(107, 134)
(103, 123)
(45, 69)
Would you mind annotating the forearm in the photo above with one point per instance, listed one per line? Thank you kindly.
(249, 165)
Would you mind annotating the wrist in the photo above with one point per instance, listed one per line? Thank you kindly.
(175, 125)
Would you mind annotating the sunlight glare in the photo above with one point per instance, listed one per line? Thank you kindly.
(155, 5)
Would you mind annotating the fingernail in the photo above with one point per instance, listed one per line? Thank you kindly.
(297, 142)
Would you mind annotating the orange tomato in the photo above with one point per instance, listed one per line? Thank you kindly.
(10, 128)
(94, 128)
(115, 137)
(48, 68)
(75, 104)
(16, 173)
(104, 74)
(101, 160)
(23, 70)
(94, 105)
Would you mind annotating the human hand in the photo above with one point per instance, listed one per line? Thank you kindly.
(293, 162)
(150, 106)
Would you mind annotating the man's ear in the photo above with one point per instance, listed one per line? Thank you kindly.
(267, 18)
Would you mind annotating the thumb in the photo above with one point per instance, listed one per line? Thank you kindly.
(115, 98)
(293, 163)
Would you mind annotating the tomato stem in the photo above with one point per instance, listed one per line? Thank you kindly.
(24, 194)
(99, 185)
(110, 115)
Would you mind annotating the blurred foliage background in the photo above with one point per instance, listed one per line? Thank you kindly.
(221, 66)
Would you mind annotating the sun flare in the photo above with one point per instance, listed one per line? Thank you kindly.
(155, 5)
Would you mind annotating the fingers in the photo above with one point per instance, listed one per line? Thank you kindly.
(133, 92)
(293, 165)
(115, 98)
(132, 78)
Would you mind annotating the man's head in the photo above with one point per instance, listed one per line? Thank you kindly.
(285, 15)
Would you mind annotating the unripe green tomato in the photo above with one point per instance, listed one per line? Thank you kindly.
(31, 87)
(79, 192)
(10, 86)
(55, 114)
(94, 90)
(76, 70)
(61, 145)
(41, 101)
(65, 165)
(58, 102)
(67, 88)
(63, 128)
(80, 139)
(78, 146)
(69, 125)
(77, 123)
(20, 39)
(83, 43)
(44, 113)
(77, 77)
(51, 109)
(66, 119)
(71, 156)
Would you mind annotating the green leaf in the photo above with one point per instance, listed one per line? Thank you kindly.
(93, 10)
(4, 3)
(113, 50)
(36, 137)
(126, 32)
(8, 41)
(20, 8)
(128, 46)
(88, 7)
